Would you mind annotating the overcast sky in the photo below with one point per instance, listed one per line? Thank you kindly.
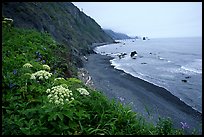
(152, 19)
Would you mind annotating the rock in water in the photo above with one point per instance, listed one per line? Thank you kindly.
(122, 55)
(183, 80)
(133, 54)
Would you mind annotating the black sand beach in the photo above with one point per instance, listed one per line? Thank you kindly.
(145, 98)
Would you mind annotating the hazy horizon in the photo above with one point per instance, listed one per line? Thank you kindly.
(151, 19)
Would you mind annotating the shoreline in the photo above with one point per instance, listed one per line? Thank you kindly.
(159, 87)
(145, 98)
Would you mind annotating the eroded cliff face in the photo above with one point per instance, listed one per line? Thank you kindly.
(64, 21)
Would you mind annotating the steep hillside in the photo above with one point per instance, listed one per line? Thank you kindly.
(41, 94)
(116, 35)
(64, 21)
(40, 98)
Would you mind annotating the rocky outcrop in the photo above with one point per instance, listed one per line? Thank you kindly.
(121, 55)
(133, 54)
(145, 38)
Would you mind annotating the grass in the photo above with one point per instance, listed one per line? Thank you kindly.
(27, 109)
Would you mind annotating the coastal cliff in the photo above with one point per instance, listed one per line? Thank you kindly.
(63, 20)
(116, 35)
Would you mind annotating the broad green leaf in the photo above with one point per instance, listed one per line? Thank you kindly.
(53, 116)
(69, 114)
(60, 116)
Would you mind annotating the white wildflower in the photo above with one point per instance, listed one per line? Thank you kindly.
(58, 94)
(40, 74)
(59, 79)
(27, 65)
(49, 96)
(61, 100)
(8, 19)
(57, 102)
(64, 85)
(65, 94)
(83, 91)
(46, 67)
(48, 90)
(32, 76)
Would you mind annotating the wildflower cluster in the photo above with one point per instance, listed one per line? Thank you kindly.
(27, 65)
(46, 67)
(83, 91)
(7, 21)
(59, 79)
(40, 74)
(59, 95)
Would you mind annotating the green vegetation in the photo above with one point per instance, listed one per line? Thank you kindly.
(64, 21)
(42, 96)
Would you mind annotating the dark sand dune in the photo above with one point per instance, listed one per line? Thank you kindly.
(145, 98)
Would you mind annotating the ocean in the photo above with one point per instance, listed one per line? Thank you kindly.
(172, 63)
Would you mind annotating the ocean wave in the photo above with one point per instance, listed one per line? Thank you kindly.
(199, 71)
(195, 66)
(144, 77)
(161, 58)
(164, 59)
(168, 66)
(129, 70)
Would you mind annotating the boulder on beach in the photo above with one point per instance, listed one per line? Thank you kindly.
(133, 54)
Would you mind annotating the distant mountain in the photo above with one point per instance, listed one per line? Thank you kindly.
(116, 35)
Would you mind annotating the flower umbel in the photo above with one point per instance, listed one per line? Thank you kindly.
(41, 74)
(59, 79)
(46, 67)
(59, 95)
(27, 65)
(83, 91)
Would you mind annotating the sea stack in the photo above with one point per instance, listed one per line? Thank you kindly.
(133, 54)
